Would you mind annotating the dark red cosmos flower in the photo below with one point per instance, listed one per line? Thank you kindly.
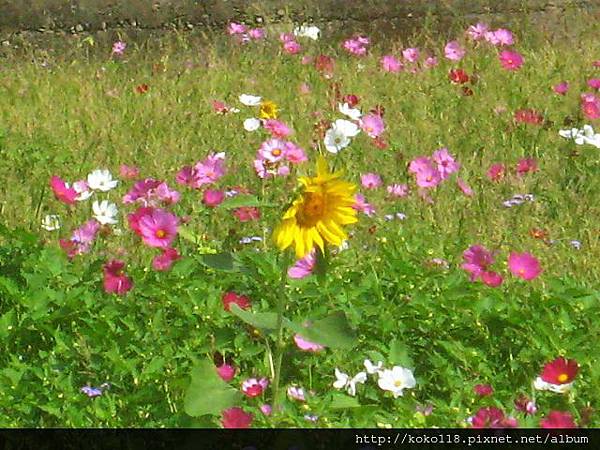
(247, 213)
(530, 116)
(458, 76)
(483, 390)
(325, 65)
(351, 99)
(142, 88)
(115, 280)
(560, 371)
(231, 297)
(467, 91)
(490, 417)
(526, 165)
(236, 418)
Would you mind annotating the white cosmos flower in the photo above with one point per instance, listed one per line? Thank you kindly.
(101, 180)
(311, 32)
(51, 222)
(396, 380)
(105, 212)
(542, 385)
(82, 188)
(251, 124)
(582, 136)
(373, 368)
(338, 136)
(353, 113)
(250, 100)
(344, 381)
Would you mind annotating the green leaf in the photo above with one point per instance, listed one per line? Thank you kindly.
(222, 261)
(333, 331)
(399, 354)
(266, 321)
(341, 401)
(186, 234)
(208, 393)
(243, 200)
(7, 321)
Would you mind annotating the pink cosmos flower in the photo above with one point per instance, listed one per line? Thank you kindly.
(213, 198)
(500, 37)
(357, 46)
(411, 54)
(446, 165)
(62, 192)
(266, 409)
(495, 172)
(292, 47)
(491, 417)
(361, 205)
(483, 390)
(304, 88)
(294, 153)
(286, 37)
(283, 171)
(370, 180)
(276, 128)
(236, 28)
(561, 88)
(158, 228)
(526, 165)
(115, 280)
(128, 172)
(511, 60)
(272, 150)
(477, 31)
(165, 260)
(464, 187)
(590, 105)
(524, 265)
(594, 83)
(247, 213)
(257, 33)
(398, 190)
(306, 345)
(236, 417)
(303, 267)
(430, 61)
(134, 218)
(491, 279)
(560, 371)
(209, 171)
(118, 48)
(427, 173)
(253, 387)
(296, 393)
(372, 124)
(389, 63)
(150, 192)
(81, 239)
(476, 261)
(558, 419)
(226, 372)
(453, 51)
(231, 297)
(528, 115)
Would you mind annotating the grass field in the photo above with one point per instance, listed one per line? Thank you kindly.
(396, 292)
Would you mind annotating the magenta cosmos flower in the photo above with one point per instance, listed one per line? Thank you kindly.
(495, 172)
(361, 205)
(236, 418)
(511, 60)
(427, 174)
(62, 192)
(236, 28)
(150, 192)
(491, 417)
(446, 164)
(370, 180)
(476, 260)
(453, 51)
(590, 105)
(115, 280)
(303, 267)
(561, 88)
(390, 63)
(524, 265)
(212, 198)
(253, 387)
(372, 124)
(483, 390)
(560, 371)
(231, 297)
(158, 228)
(277, 128)
(165, 260)
(226, 372)
(558, 419)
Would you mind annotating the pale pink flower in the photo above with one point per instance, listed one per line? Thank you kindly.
(303, 267)
(208, 171)
(411, 54)
(370, 180)
(81, 240)
(477, 31)
(464, 187)
(361, 205)
(446, 164)
(372, 124)
(257, 33)
(292, 47)
(389, 63)
(499, 37)
(128, 172)
(272, 150)
(294, 153)
(431, 61)
(118, 48)
(165, 260)
(398, 190)
(453, 51)
(356, 46)
(236, 28)
(286, 37)
(306, 345)
(277, 128)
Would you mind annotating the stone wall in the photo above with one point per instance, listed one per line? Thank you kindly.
(93, 15)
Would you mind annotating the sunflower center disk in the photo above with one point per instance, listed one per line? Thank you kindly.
(312, 210)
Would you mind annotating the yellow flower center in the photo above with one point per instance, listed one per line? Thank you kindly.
(276, 152)
(563, 377)
(398, 383)
(522, 272)
(160, 234)
(312, 209)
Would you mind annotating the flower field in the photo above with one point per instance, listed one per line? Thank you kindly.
(286, 228)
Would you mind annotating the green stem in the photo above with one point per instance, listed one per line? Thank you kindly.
(280, 344)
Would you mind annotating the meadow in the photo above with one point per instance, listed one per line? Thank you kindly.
(314, 229)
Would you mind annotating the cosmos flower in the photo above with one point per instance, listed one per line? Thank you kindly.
(115, 279)
(397, 190)
(251, 124)
(101, 180)
(338, 136)
(226, 372)
(250, 100)
(347, 110)
(62, 191)
(118, 48)
(105, 212)
(296, 393)
(309, 31)
(483, 390)
(557, 376)
(491, 417)
(361, 205)
(370, 180)
(253, 387)
(306, 345)
(158, 228)
(165, 260)
(212, 198)
(453, 51)
(561, 88)
(396, 380)
(372, 124)
(558, 419)
(524, 265)
(411, 54)
(389, 63)
(477, 31)
(510, 60)
(343, 381)
(236, 417)
(231, 297)
(303, 267)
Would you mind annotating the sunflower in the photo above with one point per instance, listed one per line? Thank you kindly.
(318, 214)
(268, 110)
